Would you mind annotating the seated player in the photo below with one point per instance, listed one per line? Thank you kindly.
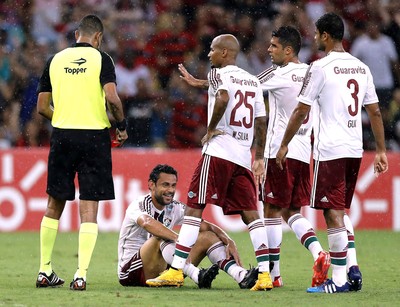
(147, 240)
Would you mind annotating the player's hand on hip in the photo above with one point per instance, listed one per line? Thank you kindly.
(210, 134)
(281, 156)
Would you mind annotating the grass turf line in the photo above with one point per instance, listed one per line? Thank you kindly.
(378, 255)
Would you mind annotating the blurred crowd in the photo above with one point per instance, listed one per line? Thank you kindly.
(149, 38)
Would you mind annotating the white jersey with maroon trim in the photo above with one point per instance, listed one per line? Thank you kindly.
(341, 84)
(132, 236)
(283, 84)
(246, 103)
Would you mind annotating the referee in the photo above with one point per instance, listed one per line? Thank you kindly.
(74, 88)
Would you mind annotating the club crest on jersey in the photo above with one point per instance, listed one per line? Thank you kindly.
(167, 222)
(191, 194)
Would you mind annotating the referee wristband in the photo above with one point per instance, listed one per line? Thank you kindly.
(121, 126)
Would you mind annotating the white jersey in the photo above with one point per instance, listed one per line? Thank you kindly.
(246, 102)
(341, 84)
(283, 84)
(132, 236)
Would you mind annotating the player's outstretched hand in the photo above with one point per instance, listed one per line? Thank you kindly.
(381, 164)
(189, 79)
(185, 75)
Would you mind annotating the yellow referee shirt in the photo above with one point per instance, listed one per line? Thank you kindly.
(77, 87)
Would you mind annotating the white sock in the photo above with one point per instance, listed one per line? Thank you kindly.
(217, 254)
(351, 252)
(274, 234)
(305, 234)
(259, 239)
(167, 250)
(187, 238)
(337, 239)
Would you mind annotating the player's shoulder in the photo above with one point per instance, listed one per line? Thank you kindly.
(106, 57)
(105, 54)
(332, 58)
(143, 203)
(267, 74)
(235, 76)
(234, 70)
(292, 68)
(213, 77)
(176, 204)
(244, 74)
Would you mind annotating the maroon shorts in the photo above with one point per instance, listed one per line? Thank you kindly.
(132, 273)
(222, 183)
(290, 187)
(334, 183)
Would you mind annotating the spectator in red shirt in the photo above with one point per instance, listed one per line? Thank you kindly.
(189, 117)
(168, 46)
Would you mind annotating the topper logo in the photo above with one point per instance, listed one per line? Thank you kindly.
(79, 61)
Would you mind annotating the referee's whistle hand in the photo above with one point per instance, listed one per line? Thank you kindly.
(122, 136)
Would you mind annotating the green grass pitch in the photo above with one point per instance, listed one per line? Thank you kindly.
(378, 255)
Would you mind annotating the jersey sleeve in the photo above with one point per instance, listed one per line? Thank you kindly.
(134, 211)
(222, 81)
(260, 110)
(312, 85)
(269, 79)
(45, 83)
(107, 73)
(213, 77)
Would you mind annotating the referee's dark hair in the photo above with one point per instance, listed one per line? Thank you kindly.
(332, 24)
(289, 36)
(162, 168)
(90, 24)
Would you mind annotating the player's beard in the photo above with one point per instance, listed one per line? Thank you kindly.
(161, 201)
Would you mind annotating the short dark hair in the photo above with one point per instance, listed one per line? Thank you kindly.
(289, 36)
(332, 24)
(90, 24)
(162, 168)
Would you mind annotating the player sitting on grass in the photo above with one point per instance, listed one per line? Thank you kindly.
(147, 240)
